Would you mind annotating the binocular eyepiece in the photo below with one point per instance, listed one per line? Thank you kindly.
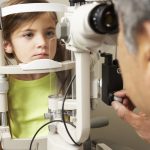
(103, 19)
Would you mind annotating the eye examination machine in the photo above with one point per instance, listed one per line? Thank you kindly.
(84, 26)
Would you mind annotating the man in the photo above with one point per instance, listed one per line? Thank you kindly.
(134, 59)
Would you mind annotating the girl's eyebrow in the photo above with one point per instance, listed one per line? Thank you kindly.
(28, 29)
(53, 28)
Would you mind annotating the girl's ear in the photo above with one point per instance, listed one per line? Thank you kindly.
(8, 47)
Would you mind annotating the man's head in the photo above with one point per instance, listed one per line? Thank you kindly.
(134, 50)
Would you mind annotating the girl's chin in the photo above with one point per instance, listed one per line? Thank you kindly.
(34, 58)
(40, 57)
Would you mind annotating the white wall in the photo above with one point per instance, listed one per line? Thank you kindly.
(1, 1)
(60, 1)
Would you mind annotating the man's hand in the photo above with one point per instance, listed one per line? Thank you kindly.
(140, 122)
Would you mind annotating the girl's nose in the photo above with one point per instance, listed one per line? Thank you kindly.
(41, 41)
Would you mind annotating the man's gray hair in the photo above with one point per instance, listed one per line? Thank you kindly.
(133, 13)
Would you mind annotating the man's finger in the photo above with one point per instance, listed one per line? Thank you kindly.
(127, 115)
(120, 93)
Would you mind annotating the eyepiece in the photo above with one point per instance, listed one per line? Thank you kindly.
(103, 19)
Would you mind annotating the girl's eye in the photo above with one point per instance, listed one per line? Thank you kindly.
(50, 34)
(28, 35)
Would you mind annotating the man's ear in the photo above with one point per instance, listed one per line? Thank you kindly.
(147, 28)
(144, 46)
(143, 39)
(8, 47)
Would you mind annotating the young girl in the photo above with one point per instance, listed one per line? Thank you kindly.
(27, 37)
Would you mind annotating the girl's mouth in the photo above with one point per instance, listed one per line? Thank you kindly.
(41, 56)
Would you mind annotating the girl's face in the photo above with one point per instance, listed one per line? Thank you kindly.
(34, 40)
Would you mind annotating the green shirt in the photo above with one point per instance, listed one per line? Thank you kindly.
(28, 101)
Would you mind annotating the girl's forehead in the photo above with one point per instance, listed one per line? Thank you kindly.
(43, 16)
(45, 19)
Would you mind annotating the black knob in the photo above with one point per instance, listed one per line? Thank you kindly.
(108, 58)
